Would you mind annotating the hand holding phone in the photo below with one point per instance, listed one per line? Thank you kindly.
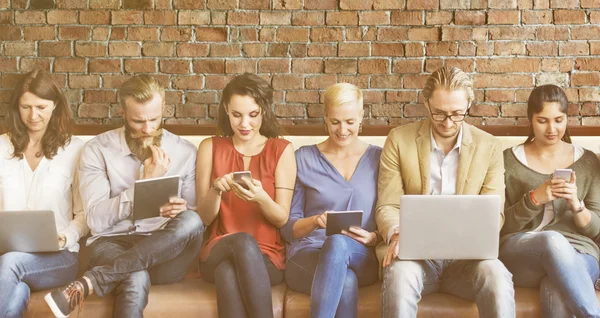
(564, 174)
(238, 178)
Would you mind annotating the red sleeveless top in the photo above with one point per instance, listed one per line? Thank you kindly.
(236, 215)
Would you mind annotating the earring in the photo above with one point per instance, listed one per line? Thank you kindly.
(360, 127)
(326, 128)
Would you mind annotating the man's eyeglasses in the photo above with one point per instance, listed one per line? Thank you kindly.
(441, 117)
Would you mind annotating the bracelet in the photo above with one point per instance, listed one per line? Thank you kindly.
(533, 199)
(581, 207)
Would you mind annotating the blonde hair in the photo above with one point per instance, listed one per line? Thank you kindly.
(141, 87)
(342, 93)
(450, 78)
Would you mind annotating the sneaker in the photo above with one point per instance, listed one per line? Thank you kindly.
(62, 301)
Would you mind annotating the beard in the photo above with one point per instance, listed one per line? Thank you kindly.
(139, 143)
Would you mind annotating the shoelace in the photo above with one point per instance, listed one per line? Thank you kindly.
(75, 297)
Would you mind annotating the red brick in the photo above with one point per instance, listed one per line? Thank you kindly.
(160, 17)
(240, 66)
(509, 48)
(218, 18)
(211, 34)
(274, 66)
(469, 17)
(188, 4)
(316, 49)
(142, 34)
(221, 4)
(467, 65)
(84, 81)
(407, 66)
(386, 110)
(595, 48)
(388, 4)
(74, 33)
(124, 49)
(113, 81)
(302, 97)
(554, 33)
(201, 97)
(503, 17)
(307, 66)
(209, 66)
(267, 34)
(90, 49)
(292, 34)
(289, 110)
(508, 65)
(569, 16)
(104, 4)
(192, 49)
(298, 50)
(127, 17)
(62, 17)
(193, 82)
(456, 34)
(424, 34)
(422, 4)
(356, 4)
(54, 49)
(542, 49)
(35, 33)
(573, 48)
(502, 80)
(392, 34)
(340, 66)
(94, 17)
(386, 81)
(499, 95)
(175, 66)
(242, 18)
(341, 18)
(373, 66)
(587, 64)
(225, 50)
(320, 81)
(255, 4)
(287, 82)
(29, 64)
(278, 49)
(387, 49)
(436, 17)
(353, 49)
(589, 94)
(591, 32)
(99, 96)
(254, 49)
(320, 4)
(93, 110)
(308, 18)
(590, 4)
(10, 33)
(105, 66)
(140, 66)
(6, 17)
(441, 49)
(482, 110)
(512, 33)
(502, 4)
(176, 34)
(595, 17)
(191, 110)
(585, 79)
(193, 17)
(284, 5)
(536, 16)
(30, 17)
(413, 49)
(326, 34)
(158, 49)
(373, 18)
(400, 96)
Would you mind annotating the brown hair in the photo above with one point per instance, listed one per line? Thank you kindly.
(546, 94)
(59, 131)
(451, 78)
(256, 87)
(141, 88)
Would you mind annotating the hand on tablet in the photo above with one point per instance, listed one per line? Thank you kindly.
(175, 206)
(321, 220)
(254, 193)
(157, 165)
(364, 237)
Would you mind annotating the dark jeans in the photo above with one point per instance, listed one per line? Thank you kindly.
(22, 272)
(126, 265)
(332, 274)
(243, 277)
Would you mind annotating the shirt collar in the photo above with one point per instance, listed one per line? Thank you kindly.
(124, 147)
(457, 145)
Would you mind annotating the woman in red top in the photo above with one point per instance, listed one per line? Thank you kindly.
(244, 251)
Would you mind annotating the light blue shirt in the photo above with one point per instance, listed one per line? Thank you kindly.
(320, 187)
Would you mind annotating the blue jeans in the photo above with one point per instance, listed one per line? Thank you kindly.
(566, 277)
(487, 282)
(126, 265)
(332, 275)
(22, 272)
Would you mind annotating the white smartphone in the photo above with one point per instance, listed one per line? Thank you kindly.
(564, 174)
(238, 175)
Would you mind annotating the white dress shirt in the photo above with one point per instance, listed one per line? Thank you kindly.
(51, 186)
(108, 171)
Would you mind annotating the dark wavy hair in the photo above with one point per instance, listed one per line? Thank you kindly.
(256, 87)
(548, 93)
(60, 127)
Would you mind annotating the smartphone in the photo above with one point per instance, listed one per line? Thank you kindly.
(564, 174)
(237, 178)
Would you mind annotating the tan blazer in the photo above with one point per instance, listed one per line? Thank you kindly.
(405, 169)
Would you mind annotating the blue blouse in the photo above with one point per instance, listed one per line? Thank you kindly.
(320, 187)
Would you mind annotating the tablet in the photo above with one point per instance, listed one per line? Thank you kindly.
(342, 220)
(151, 194)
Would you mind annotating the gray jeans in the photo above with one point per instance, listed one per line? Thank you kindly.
(487, 282)
(127, 265)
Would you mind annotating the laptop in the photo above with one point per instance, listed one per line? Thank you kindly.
(28, 231)
(449, 227)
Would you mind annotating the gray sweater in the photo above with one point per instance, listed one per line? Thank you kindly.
(522, 215)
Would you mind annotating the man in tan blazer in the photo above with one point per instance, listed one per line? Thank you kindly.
(440, 155)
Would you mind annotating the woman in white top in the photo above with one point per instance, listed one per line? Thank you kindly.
(38, 160)
(552, 221)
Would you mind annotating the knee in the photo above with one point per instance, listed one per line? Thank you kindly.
(350, 282)
(191, 224)
(244, 242)
(554, 244)
(19, 301)
(224, 272)
(8, 263)
(402, 274)
(495, 275)
(137, 283)
(336, 242)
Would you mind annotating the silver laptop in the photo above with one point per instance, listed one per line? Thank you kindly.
(28, 231)
(449, 227)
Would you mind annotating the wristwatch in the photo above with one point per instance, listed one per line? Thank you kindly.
(581, 207)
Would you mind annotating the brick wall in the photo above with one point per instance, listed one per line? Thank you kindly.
(386, 47)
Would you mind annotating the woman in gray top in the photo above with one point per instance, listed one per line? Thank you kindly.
(551, 223)
(339, 174)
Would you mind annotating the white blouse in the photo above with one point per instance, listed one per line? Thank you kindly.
(53, 185)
